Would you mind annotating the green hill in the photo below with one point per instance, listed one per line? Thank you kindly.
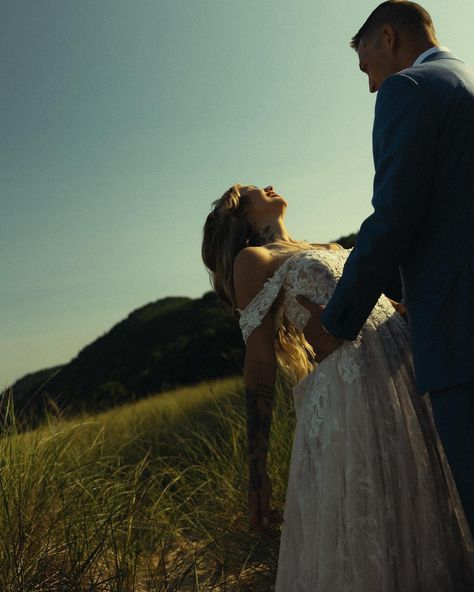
(164, 344)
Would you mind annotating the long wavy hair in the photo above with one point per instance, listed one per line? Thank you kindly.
(226, 232)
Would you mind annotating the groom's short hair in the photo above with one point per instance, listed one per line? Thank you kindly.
(402, 14)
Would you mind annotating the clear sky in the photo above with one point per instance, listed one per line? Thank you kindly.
(122, 120)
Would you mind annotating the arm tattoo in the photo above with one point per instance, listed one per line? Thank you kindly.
(259, 404)
(266, 393)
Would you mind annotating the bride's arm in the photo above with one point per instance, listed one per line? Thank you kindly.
(250, 272)
(259, 376)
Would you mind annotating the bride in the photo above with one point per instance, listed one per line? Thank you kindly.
(370, 504)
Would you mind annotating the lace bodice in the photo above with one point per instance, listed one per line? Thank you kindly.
(313, 274)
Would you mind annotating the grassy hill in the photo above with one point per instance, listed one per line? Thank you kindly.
(164, 344)
(149, 496)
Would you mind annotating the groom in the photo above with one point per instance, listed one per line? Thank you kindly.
(423, 221)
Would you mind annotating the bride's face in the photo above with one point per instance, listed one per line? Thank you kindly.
(262, 204)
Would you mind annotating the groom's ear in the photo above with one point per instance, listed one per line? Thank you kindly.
(389, 38)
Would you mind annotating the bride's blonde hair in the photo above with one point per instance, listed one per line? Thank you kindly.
(226, 232)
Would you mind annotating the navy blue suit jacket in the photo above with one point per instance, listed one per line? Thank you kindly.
(423, 220)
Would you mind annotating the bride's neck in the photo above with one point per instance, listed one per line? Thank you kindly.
(276, 231)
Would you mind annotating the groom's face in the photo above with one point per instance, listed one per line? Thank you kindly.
(376, 59)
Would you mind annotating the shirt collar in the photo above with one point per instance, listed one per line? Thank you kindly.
(428, 52)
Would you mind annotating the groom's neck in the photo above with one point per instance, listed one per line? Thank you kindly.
(411, 49)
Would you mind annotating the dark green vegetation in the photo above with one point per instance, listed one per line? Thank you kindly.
(165, 344)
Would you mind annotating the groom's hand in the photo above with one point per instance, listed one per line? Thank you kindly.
(322, 342)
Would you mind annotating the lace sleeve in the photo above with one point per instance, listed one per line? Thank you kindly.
(252, 315)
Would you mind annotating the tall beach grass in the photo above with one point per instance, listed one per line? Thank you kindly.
(149, 496)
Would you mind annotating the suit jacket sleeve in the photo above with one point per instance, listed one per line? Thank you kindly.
(404, 146)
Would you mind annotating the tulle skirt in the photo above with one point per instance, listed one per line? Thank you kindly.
(371, 504)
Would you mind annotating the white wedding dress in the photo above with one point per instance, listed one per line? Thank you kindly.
(371, 505)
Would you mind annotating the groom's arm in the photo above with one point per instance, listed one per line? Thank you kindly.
(404, 144)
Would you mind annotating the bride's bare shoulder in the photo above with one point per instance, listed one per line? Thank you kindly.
(252, 267)
(253, 256)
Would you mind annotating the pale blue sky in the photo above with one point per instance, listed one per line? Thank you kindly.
(121, 121)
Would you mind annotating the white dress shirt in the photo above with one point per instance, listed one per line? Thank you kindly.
(428, 52)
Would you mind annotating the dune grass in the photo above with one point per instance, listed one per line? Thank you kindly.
(149, 496)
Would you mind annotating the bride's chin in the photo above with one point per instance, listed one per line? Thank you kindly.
(280, 200)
